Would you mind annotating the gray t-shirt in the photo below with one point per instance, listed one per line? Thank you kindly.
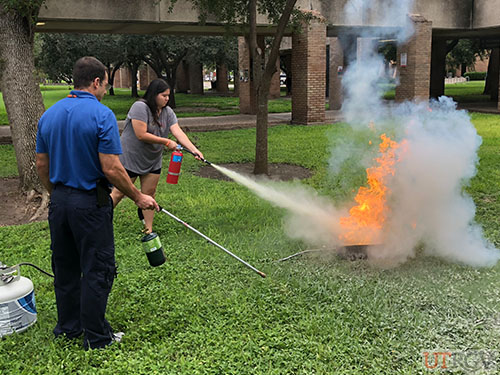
(141, 157)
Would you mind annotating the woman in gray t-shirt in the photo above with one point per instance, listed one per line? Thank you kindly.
(149, 122)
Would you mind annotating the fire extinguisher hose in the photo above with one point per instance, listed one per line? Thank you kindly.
(260, 273)
(192, 153)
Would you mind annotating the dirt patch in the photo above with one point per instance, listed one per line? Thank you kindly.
(277, 171)
(15, 207)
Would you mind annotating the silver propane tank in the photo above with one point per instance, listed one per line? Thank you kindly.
(17, 301)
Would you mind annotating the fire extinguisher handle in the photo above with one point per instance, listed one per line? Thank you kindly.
(141, 215)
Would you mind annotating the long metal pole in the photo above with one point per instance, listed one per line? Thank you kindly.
(262, 274)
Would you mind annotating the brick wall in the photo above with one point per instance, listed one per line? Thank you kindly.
(309, 72)
(222, 81)
(182, 77)
(196, 78)
(122, 78)
(274, 90)
(415, 76)
(146, 75)
(246, 90)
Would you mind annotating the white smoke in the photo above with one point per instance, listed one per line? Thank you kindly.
(310, 217)
(428, 203)
(380, 14)
(428, 206)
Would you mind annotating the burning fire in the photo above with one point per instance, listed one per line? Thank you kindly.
(366, 220)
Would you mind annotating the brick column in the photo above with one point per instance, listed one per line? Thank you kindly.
(246, 89)
(498, 88)
(123, 78)
(336, 71)
(274, 90)
(182, 77)
(117, 83)
(146, 75)
(143, 77)
(415, 76)
(438, 67)
(196, 78)
(492, 85)
(309, 72)
(222, 82)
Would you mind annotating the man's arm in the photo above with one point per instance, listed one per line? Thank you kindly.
(42, 168)
(116, 174)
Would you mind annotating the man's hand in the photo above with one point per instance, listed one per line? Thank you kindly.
(147, 202)
(116, 174)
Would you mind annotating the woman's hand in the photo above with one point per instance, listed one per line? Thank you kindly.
(198, 154)
(171, 145)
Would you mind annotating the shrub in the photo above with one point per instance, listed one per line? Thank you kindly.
(475, 76)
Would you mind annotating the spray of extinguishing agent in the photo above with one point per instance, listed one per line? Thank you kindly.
(151, 242)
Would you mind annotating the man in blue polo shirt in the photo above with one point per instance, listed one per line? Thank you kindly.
(78, 144)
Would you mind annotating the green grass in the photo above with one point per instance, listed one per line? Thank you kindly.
(467, 92)
(8, 166)
(187, 105)
(204, 313)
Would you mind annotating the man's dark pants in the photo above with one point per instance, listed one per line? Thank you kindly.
(83, 261)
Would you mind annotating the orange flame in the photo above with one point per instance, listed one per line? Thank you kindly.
(366, 220)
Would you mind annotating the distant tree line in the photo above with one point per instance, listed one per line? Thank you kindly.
(55, 54)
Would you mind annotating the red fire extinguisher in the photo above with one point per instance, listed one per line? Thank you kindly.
(174, 168)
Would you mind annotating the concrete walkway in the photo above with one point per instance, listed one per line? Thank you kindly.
(202, 124)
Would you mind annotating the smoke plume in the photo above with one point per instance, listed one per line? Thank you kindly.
(427, 202)
(427, 206)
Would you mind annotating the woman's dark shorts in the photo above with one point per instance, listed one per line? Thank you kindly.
(133, 174)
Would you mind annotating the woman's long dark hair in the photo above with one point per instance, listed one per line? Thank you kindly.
(156, 87)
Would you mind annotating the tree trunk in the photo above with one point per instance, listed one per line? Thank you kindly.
(491, 84)
(133, 79)
(221, 83)
(171, 79)
(262, 73)
(111, 77)
(21, 93)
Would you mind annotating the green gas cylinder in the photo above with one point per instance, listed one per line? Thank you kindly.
(151, 245)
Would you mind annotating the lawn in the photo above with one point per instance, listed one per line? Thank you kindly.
(204, 313)
(467, 92)
(187, 105)
(214, 105)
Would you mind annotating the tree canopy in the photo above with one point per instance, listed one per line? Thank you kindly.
(240, 16)
(464, 54)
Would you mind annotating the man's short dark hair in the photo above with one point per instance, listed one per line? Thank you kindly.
(86, 70)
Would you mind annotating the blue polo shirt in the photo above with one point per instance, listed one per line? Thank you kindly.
(73, 132)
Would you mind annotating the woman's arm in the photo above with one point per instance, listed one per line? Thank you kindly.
(141, 132)
(183, 139)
